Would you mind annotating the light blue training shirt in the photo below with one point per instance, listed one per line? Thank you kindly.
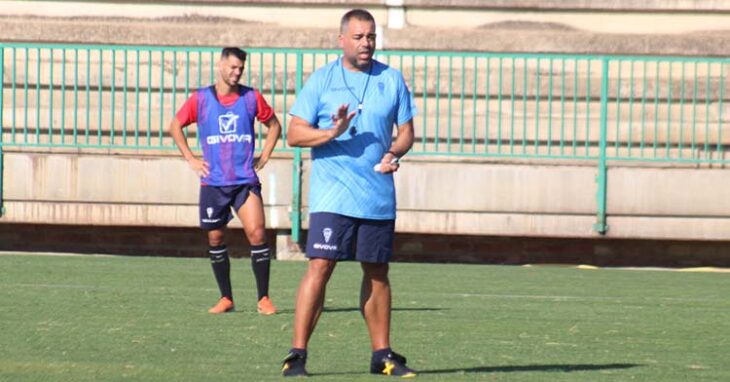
(342, 177)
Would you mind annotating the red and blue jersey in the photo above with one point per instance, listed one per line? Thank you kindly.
(226, 132)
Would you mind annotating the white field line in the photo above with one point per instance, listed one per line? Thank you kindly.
(558, 298)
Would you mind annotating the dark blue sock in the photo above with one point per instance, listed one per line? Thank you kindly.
(379, 354)
(221, 269)
(300, 352)
(261, 263)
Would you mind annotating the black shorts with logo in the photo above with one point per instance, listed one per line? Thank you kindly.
(218, 204)
(339, 237)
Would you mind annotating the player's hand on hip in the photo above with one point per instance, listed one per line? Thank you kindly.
(200, 166)
(341, 120)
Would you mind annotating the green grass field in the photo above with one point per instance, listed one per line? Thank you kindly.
(144, 319)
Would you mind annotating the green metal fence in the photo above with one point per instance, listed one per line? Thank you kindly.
(586, 108)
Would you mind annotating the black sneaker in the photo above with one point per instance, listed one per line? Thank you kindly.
(293, 366)
(392, 365)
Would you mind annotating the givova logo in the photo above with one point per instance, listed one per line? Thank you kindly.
(327, 233)
(227, 123)
(227, 126)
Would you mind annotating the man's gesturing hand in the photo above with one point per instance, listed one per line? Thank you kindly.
(341, 120)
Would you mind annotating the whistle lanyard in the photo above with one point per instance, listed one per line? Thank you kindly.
(364, 90)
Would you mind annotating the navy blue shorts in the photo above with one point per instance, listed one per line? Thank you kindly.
(216, 203)
(339, 237)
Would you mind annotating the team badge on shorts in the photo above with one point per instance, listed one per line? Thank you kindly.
(327, 233)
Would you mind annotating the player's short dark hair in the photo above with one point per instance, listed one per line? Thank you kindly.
(359, 14)
(233, 51)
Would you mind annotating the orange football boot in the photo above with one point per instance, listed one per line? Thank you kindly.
(266, 307)
(224, 305)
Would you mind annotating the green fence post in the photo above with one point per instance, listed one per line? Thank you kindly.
(600, 225)
(296, 202)
(2, 106)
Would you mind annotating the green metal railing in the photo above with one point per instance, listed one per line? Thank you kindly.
(2, 106)
(597, 109)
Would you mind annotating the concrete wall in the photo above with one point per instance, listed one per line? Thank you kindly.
(434, 196)
(154, 190)
(575, 26)
(476, 210)
(624, 16)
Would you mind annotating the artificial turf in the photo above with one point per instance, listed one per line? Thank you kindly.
(112, 318)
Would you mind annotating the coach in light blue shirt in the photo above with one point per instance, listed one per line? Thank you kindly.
(343, 180)
(346, 113)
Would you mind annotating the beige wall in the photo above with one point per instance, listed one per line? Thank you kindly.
(597, 16)
(117, 190)
(434, 196)
(593, 27)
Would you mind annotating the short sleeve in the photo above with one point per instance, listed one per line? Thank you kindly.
(307, 105)
(264, 111)
(188, 112)
(406, 106)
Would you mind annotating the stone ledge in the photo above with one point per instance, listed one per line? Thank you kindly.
(491, 39)
(579, 5)
(602, 5)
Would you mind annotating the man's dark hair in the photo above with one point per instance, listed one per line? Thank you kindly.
(359, 14)
(233, 51)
